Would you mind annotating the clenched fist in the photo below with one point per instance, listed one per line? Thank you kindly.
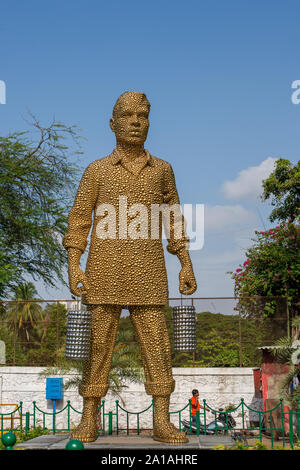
(187, 281)
(76, 275)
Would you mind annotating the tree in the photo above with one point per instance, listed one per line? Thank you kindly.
(36, 192)
(218, 349)
(283, 188)
(8, 271)
(24, 312)
(271, 269)
(52, 333)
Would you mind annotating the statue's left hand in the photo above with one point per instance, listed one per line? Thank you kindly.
(187, 281)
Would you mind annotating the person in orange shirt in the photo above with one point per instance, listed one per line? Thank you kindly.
(195, 406)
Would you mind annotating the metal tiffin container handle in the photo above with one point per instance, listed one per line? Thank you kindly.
(78, 335)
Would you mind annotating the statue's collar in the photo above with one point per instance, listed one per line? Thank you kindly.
(115, 157)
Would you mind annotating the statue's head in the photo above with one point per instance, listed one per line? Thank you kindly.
(130, 119)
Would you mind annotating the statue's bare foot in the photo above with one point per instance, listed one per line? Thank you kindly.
(85, 432)
(167, 432)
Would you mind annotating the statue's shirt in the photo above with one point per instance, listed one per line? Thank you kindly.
(126, 264)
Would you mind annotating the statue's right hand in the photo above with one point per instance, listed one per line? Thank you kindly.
(77, 276)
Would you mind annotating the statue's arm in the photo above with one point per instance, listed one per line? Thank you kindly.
(178, 245)
(79, 224)
(81, 215)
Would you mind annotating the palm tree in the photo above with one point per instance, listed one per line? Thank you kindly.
(24, 312)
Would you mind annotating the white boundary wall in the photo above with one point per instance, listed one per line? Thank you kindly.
(218, 386)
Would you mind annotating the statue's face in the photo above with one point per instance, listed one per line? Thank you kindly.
(130, 122)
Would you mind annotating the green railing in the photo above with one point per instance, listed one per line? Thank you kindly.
(11, 417)
(68, 409)
(271, 423)
(138, 429)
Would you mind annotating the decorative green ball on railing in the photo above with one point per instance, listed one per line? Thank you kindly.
(74, 444)
(8, 440)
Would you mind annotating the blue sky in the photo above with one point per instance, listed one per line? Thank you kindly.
(218, 75)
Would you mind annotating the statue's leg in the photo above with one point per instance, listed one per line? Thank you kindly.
(94, 384)
(151, 330)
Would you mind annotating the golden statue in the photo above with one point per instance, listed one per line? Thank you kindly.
(126, 263)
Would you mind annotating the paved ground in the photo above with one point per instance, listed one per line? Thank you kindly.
(59, 441)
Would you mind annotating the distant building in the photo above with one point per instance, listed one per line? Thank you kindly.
(72, 304)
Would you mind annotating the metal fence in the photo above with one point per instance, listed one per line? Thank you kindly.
(280, 426)
(229, 330)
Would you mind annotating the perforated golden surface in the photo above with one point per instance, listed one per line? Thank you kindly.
(126, 263)
(123, 271)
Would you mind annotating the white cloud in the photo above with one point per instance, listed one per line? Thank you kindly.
(220, 216)
(248, 184)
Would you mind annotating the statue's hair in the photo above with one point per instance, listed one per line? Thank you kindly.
(127, 94)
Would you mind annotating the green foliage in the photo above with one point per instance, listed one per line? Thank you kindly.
(31, 434)
(222, 349)
(19, 323)
(230, 407)
(272, 269)
(283, 188)
(239, 446)
(260, 446)
(219, 336)
(218, 344)
(36, 190)
(24, 312)
(257, 446)
(33, 336)
(15, 353)
(218, 341)
(52, 333)
(8, 271)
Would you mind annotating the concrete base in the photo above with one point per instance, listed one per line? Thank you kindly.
(59, 442)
